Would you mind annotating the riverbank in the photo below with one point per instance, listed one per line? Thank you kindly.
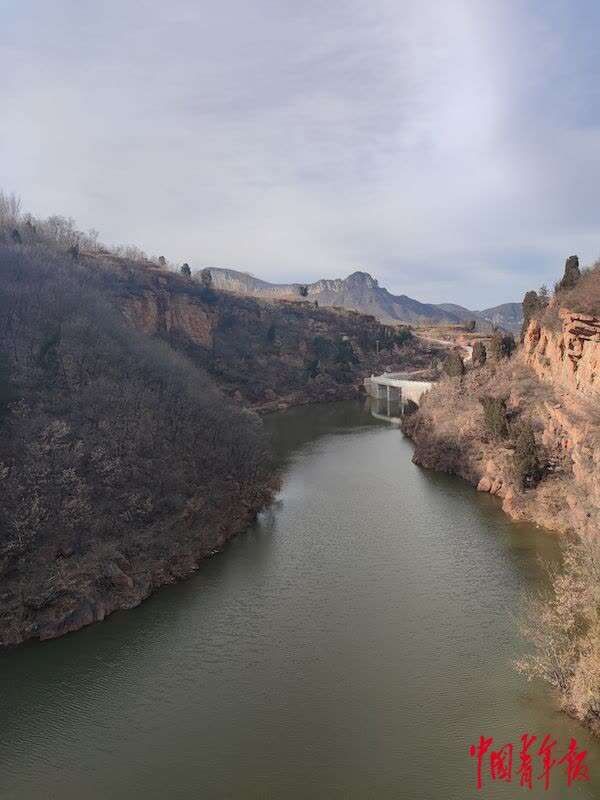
(114, 578)
(451, 435)
(311, 395)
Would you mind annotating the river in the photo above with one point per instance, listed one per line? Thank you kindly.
(352, 644)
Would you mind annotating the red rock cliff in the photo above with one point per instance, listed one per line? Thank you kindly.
(160, 311)
(568, 356)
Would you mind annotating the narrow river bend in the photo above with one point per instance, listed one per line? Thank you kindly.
(351, 645)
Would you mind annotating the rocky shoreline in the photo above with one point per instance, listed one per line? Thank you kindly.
(105, 585)
(124, 580)
(545, 385)
(488, 475)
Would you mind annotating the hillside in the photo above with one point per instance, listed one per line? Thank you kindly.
(128, 450)
(361, 292)
(508, 316)
(266, 354)
(121, 464)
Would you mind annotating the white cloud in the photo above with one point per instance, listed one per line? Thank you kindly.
(448, 148)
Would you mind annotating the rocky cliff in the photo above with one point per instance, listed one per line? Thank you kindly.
(550, 385)
(159, 311)
(567, 353)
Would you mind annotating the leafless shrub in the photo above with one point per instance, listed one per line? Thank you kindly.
(563, 627)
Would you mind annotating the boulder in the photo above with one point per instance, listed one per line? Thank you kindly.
(496, 486)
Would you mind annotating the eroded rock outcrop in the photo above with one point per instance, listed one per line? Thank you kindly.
(161, 311)
(541, 389)
(567, 354)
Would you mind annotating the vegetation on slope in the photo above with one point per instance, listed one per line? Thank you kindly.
(266, 352)
(121, 464)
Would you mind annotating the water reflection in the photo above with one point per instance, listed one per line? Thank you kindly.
(387, 409)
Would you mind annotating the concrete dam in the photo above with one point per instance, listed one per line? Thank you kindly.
(391, 391)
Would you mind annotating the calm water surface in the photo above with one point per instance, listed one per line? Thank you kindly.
(351, 645)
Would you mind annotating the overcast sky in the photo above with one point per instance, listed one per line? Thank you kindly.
(449, 147)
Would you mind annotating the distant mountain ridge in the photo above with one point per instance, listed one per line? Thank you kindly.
(361, 292)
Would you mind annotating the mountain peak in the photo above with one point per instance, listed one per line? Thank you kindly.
(362, 278)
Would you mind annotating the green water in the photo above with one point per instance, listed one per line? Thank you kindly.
(351, 645)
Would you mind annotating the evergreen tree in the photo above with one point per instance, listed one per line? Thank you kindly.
(494, 415)
(206, 278)
(531, 307)
(502, 345)
(526, 461)
(454, 365)
(479, 354)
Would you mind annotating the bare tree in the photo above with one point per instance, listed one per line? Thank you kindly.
(10, 208)
(562, 625)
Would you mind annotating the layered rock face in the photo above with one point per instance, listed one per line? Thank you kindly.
(232, 280)
(569, 356)
(568, 498)
(574, 434)
(551, 384)
(159, 311)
